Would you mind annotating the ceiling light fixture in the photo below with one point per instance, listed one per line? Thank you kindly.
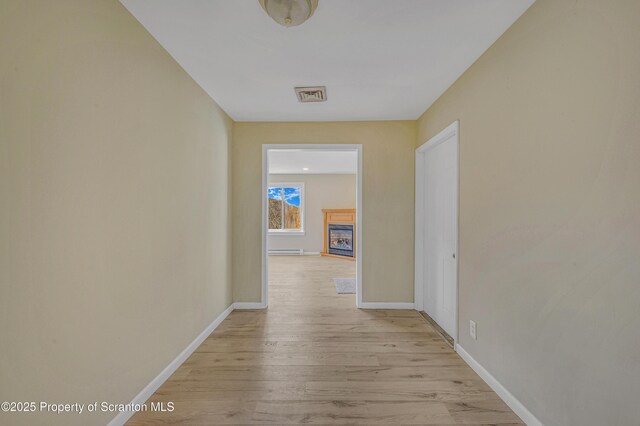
(289, 13)
(306, 169)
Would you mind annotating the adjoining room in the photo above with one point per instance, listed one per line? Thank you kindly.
(311, 232)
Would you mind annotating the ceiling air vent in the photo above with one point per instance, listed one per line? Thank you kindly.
(311, 94)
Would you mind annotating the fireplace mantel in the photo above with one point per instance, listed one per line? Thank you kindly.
(339, 217)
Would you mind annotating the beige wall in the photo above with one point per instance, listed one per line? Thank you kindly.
(321, 191)
(387, 198)
(550, 209)
(114, 212)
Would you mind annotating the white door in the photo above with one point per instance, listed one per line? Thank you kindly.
(437, 163)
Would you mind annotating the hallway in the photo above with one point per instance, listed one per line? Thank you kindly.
(312, 357)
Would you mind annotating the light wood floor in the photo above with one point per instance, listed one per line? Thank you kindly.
(314, 358)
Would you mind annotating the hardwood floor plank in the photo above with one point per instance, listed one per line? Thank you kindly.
(287, 335)
(332, 373)
(401, 390)
(352, 412)
(290, 359)
(343, 346)
(425, 359)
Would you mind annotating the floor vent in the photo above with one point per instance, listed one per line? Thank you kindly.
(286, 252)
(438, 329)
(311, 94)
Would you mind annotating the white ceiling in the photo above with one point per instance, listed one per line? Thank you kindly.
(294, 161)
(380, 59)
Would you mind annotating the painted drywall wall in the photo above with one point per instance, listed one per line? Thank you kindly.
(114, 207)
(550, 209)
(321, 191)
(387, 197)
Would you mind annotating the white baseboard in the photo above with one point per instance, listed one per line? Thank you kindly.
(513, 403)
(249, 305)
(148, 390)
(311, 253)
(386, 305)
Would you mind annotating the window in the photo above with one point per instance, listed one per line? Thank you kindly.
(285, 207)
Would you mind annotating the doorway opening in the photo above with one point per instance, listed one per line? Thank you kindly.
(436, 250)
(311, 221)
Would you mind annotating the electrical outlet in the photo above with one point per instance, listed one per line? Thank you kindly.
(472, 329)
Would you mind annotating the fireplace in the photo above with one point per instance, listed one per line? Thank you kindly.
(340, 233)
(340, 239)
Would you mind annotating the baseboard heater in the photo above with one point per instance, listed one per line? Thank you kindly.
(286, 252)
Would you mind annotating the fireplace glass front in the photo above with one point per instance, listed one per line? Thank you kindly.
(340, 239)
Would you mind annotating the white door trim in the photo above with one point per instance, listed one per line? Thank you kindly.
(451, 131)
(265, 225)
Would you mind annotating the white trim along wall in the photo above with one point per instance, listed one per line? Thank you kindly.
(504, 394)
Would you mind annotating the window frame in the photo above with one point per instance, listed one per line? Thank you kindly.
(300, 231)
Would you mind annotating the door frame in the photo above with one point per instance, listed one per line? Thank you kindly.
(265, 220)
(451, 131)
